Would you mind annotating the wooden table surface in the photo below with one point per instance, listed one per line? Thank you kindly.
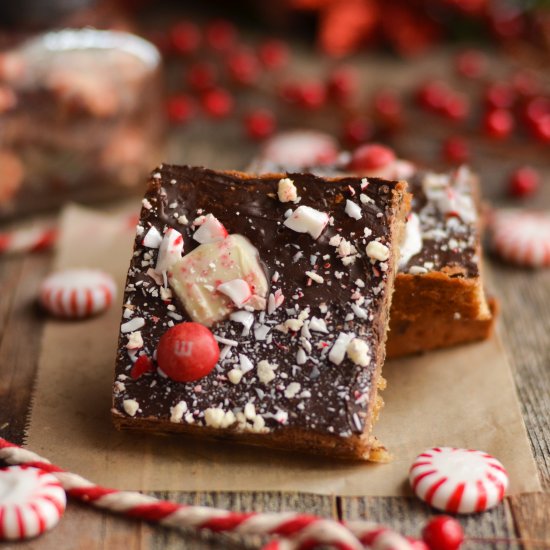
(524, 327)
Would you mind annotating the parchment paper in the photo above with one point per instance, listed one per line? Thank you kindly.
(464, 397)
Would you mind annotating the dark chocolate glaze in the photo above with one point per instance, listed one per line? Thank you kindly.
(333, 399)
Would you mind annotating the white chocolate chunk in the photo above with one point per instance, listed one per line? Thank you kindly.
(177, 411)
(292, 389)
(378, 251)
(266, 371)
(338, 350)
(196, 276)
(130, 406)
(287, 191)
(358, 352)
(235, 376)
(307, 220)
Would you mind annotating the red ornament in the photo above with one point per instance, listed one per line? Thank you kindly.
(471, 64)
(142, 365)
(201, 76)
(432, 95)
(260, 124)
(218, 103)
(243, 67)
(456, 150)
(220, 35)
(371, 156)
(273, 54)
(443, 533)
(455, 106)
(498, 123)
(524, 182)
(500, 96)
(180, 108)
(357, 130)
(342, 84)
(311, 95)
(185, 37)
(388, 107)
(187, 352)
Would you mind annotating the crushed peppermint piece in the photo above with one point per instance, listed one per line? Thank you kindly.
(338, 351)
(152, 238)
(353, 210)
(358, 352)
(238, 290)
(210, 230)
(315, 277)
(132, 325)
(170, 250)
(318, 325)
(292, 390)
(246, 318)
(131, 406)
(135, 341)
(307, 220)
(275, 301)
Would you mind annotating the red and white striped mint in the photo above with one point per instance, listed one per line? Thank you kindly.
(32, 501)
(307, 220)
(238, 290)
(210, 230)
(458, 481)
(300, 148)
(522, 237)
(77, 293)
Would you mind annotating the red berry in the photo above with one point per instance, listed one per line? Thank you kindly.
(432, 95)
(357, 130)
(456, 150)
(311, 95)
(455, 106)
(274, 54)
(499, 96)
(243, 67)
(220, 35)
(388, 107)
(201, 76)
(260, 124)
(217, 103)
(180, 108)
(142, 365)
(187, 352)
(371, 156)
(342, 84)
(471, 63)
(524, 182)
(443, 533)
(185, 37)
(498, 124)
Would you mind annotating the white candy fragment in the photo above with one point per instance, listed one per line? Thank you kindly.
(318, 325)
(274, 301)
(238, 290)
(338, 351)
(170, 250)
(218, 418)
(287, 191)
(246, 318)
(132, 325)
(358, 352)
(353, 210)
(235, 376)
(378, 251)
(266, 371)
(307, 220)
(130, 406)
(210, 231)
(152, 238)
(245, 363)
(135, 340)
(412, 240)
(315, 277)
(177, 412)
(292, 390)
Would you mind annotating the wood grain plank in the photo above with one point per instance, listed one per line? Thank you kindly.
(531, 513)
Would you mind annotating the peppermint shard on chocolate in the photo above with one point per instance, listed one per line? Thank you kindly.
(256, 309)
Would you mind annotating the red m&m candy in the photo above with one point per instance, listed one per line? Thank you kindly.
(187, 352)
(371, 156)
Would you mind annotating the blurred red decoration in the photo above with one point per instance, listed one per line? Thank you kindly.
(432, 94)
(500, 95)
(388, 107)
(456, 150)
(498, 123)
(220, 35)
(311, 95)
(260, 124)
(455, 106)
(180, 108)
(342, 84)
(185, 37)
(524, 182)
(243, 67)
(371, 156)
(218, 103)
(357, 130)
(471, 64)
(273, 54)
(201, 76)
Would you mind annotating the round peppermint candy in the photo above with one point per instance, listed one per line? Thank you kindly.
(459, 481)
(32, 501)
(77, 293)
(521, 237)
(300, 148)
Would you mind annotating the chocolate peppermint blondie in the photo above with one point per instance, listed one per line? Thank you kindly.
(293, 276)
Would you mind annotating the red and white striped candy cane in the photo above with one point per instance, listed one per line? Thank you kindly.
(27, 239)
(295, 531)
